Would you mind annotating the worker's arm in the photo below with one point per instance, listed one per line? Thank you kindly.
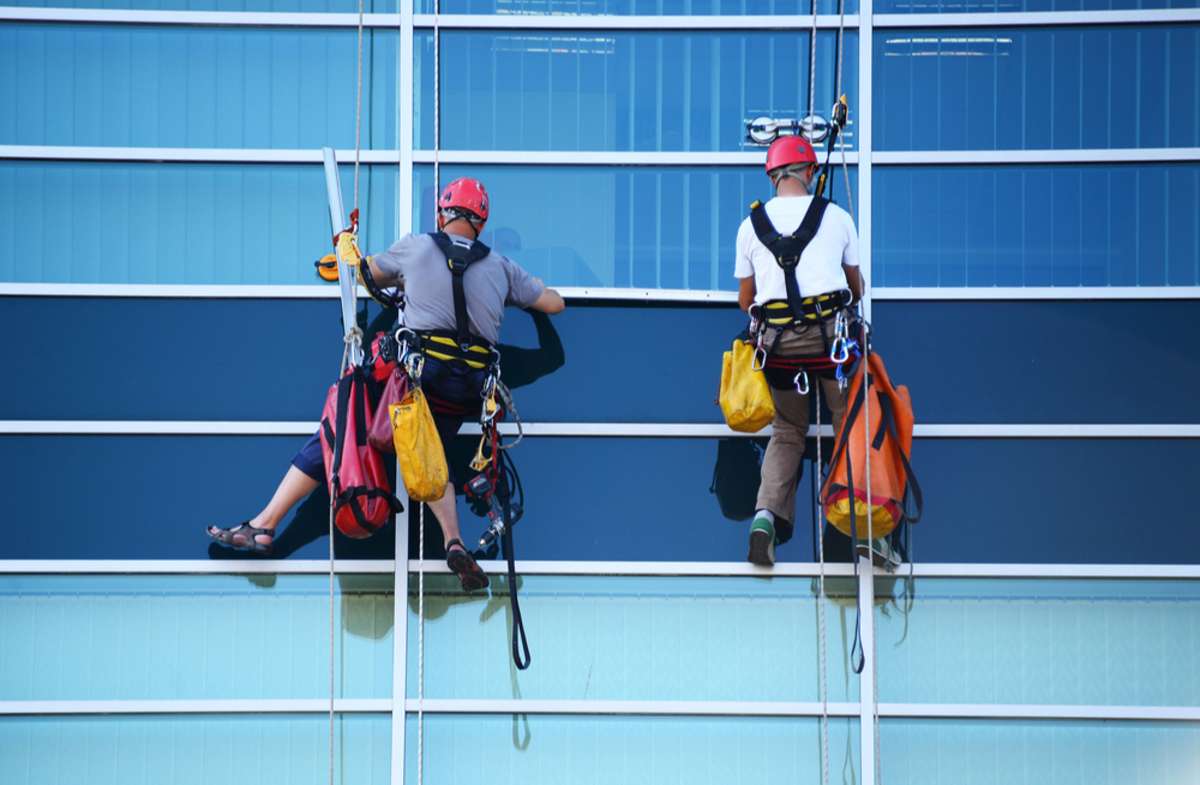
(549, 301)
(855, 280)
(746, 292)
(382, 277)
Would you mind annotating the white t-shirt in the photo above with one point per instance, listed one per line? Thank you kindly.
(820, 268)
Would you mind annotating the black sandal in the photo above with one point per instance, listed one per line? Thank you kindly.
(461, 563)
(244, 537)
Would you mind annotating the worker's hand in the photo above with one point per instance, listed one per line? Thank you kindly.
(347, 249)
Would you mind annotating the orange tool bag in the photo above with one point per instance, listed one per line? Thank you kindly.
(895, 495)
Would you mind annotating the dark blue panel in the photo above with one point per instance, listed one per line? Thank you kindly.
(627, 7)
(179, 223)
(144, 86)
(310, 6)
(622, 90)
(997, 500)
(1047, 225)
(1036, 88)
(983, 6)
(616, 225)
(966, 362)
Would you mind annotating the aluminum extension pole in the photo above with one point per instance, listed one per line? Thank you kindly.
(347, 277)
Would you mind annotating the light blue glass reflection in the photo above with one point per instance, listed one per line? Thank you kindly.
(143, 86)
(1037, 88)
(244, 749)
(1113, 643)
(308, 6)
(1043, 225)
(553, 750)
(179, 223)
(627, 7)
(671, 228)
(1014, 752)
(617, 90)
(190, 637)
(982, 6)
(638, 638)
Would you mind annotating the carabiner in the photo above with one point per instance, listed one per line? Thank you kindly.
(839, 351)
(801, 377)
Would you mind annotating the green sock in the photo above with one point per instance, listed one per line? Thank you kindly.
(763, 521)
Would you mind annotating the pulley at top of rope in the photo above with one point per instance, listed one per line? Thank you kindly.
(839, 114)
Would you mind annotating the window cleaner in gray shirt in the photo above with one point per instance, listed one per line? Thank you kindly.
(454, 371)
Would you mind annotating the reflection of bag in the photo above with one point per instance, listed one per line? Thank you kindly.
(895, 496)
(418, 447)
(736, 477)
(358, 484)
(745, 398)
(381, 425)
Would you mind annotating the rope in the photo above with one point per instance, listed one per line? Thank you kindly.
(420, 647)
(812, 62)
(837, 93)
(437, 100)
(820, 524)
(866, 387)
(358, 104)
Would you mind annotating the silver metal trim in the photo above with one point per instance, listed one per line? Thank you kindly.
(669, 708)
(196, 706)
(1130, 16)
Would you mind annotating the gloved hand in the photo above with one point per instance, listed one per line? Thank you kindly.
(347, 249)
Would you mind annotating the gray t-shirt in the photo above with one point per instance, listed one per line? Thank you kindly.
(489, 284)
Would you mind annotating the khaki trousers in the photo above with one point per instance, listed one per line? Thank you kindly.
(781, 464)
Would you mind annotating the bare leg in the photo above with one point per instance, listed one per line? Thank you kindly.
(445, 510)
(294, 486)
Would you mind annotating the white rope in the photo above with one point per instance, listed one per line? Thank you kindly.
(352, 338)
(812, 62)
(866, 388)
(358, 104)
(420, 646)
(437, 101)
(821, 646)
(837, 95)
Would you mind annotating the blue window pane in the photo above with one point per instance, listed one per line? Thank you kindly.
(664, 227)
(639, 638)
(144, 86)
(627, 7)
(179, 223)
(538, 749)
(609, 90)
(192, 637)
(1037, 641)
(979, 6)
(309, 6)
(1037, 88)
(241, 749)
(1044, 225)
(1031, 752)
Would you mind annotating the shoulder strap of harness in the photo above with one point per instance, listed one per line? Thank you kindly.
(787, 249)
(459, 256)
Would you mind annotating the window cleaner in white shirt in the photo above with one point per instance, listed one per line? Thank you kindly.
(798, 276)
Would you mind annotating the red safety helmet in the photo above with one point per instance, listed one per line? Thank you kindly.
(465, 193)
(789, 150)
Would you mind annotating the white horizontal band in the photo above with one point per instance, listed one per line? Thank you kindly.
(1063, 156)
(604, 158)
(648, 568)
(1001, 711)
(1132, 16)
(199, 706)
(605, 429)
(220, 155)
(670, 708)
(248, 566)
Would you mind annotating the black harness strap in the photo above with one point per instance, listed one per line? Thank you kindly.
(787, 249)
(459, 256)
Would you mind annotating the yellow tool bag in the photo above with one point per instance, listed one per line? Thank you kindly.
(745, 398)
(418, 447)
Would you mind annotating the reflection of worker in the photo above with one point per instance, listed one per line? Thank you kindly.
(453, 326)
(797, 270)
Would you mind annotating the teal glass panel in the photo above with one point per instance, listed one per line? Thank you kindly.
(98, 637)
(1037, 88)
(180, 223)
(653, 227)
(627, 7)
(587, 750)
(242, 749)
(622, 90)
(180, 86)
(637, 638)
(1039, 641)
(1012, 752)
(1043, 225)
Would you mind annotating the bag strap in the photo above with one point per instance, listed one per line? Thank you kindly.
(460, 256)
(912, 488)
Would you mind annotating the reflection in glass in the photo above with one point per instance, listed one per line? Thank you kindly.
(1113, 643)
(1024, 752)
(622, 90)
(1037, 88)
(180, 86)
(206, 223)
(241, 749)
(552, 750)
(983, 6)
(670, 228)
(1040, 225)
(107, 637)
(627, 7)
(637, 638)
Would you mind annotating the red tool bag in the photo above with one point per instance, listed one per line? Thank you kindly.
(359, 488)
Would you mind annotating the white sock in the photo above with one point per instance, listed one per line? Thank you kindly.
(767, 514)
